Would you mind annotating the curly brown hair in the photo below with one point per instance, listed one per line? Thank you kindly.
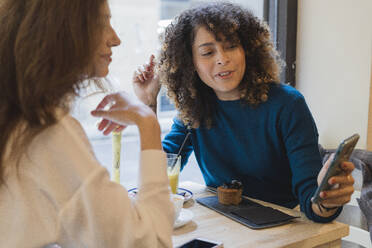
(195, 100)
(46, 52)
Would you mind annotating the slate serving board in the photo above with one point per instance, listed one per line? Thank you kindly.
(248, 213)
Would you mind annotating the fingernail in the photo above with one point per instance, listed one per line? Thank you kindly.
(323, 195)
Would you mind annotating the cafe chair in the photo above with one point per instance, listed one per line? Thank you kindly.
(354, 217)
(358, 212)
(356, 236)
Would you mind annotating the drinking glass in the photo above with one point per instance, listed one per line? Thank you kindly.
(173, 170)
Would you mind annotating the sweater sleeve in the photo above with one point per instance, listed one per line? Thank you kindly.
(100, 213)
(300, 138)
(173, 141)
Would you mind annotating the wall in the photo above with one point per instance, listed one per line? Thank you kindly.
(334, 49)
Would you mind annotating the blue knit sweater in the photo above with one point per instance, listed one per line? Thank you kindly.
(271, 148)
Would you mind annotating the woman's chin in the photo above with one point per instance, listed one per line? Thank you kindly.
(101, 73)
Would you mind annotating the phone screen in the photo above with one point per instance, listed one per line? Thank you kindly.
(196, 243)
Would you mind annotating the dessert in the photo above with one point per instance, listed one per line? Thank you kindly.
(230, 193)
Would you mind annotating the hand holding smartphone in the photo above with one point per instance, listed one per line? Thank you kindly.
(343, 153)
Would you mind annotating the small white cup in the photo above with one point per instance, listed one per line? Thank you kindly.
(178, 204)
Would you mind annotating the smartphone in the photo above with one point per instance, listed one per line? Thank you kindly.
(201, 243)
(342, 154)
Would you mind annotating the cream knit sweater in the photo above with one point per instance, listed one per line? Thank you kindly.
(63, 195)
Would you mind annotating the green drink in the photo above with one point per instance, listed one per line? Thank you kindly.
(116, 148)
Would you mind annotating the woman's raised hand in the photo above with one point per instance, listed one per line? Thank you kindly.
(146, 83)
(123, 110)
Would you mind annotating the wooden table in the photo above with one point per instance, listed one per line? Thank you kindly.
(300, 233)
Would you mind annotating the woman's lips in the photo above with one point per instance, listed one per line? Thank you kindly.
(107, 58)
(225, 74)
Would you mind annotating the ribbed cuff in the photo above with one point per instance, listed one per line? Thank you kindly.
(316, 218)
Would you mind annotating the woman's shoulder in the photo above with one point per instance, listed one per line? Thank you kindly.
(66, 132)
(68, 125)
(284, 93)
(65, 147)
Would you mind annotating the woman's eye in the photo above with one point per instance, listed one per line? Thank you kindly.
(206, 53)
(232, 46)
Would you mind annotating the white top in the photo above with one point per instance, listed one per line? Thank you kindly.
(63, 195)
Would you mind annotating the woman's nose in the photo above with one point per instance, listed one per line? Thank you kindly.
(222, 58)
(115, 40)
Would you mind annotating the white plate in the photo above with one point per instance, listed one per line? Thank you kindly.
(181, 191)
(185, 193)
(184, 218)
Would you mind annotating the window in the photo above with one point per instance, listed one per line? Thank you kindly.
(282, 18)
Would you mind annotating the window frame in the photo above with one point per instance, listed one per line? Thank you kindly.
(281, 16)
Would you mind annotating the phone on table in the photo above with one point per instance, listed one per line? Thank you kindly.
(201, 243)
(343, 153)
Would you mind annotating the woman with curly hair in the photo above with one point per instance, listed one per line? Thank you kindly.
(222, 71)
(52, 188)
